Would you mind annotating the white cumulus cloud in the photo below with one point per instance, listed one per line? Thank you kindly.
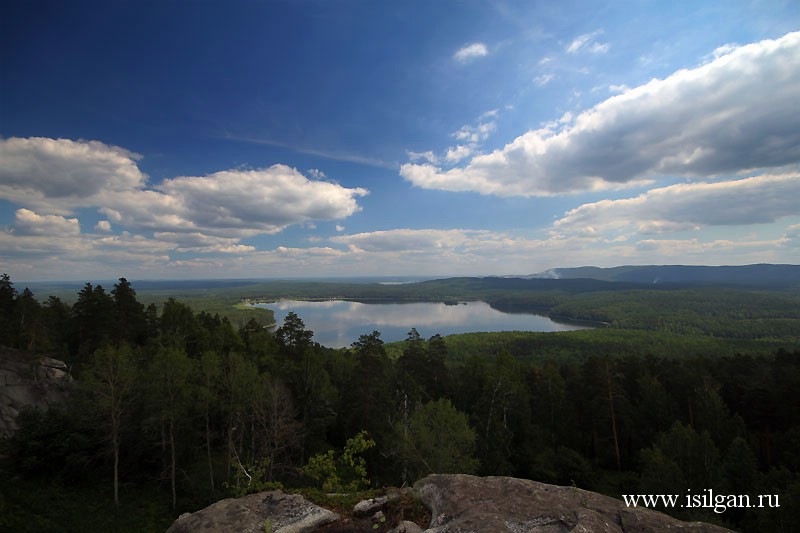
(103, 225)
(736, 113)
(458, 153)
(56, 176)
(255, 201)
(59, 175)
(27, 222)
(756, 200)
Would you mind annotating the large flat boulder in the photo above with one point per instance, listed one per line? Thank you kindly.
(285, 513)
(462, 503)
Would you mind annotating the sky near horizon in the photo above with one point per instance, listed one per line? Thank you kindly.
(290, 138)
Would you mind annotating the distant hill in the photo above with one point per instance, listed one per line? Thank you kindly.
(761, 275)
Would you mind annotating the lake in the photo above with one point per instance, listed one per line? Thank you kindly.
(339, 323)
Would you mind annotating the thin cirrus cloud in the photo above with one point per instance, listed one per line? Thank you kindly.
(471, 52)
(736, 113)
(755, 200)
(587, 42)
(50, 177)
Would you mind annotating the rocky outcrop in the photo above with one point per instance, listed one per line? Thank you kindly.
(370, 506)
(458, 504)
(461, 503)
(273, 511)
(27, 380)
(406, 526)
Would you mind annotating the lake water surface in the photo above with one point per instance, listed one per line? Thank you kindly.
(338, 323)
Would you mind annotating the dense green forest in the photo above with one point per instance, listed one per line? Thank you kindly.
(173, 408)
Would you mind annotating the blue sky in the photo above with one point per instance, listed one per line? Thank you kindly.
(247, 139)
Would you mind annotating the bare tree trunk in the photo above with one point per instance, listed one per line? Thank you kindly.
(208, 450)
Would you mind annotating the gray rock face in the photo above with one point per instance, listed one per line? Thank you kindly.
(286, 513)
(365, 507)
(29, 381)
(406, 526)
(462, 503)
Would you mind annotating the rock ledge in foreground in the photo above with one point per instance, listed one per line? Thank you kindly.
(462, 503)
(287, 513)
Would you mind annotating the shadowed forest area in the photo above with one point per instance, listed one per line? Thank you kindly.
(172, 408)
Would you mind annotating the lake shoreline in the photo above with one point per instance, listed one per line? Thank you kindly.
(338, 322)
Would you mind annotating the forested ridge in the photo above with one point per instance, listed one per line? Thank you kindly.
(172, 408)
(759, 275)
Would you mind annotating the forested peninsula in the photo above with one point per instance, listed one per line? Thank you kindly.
(174, 401)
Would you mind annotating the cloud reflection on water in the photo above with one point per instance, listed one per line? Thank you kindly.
(338, 323)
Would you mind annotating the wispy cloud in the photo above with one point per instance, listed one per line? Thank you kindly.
(475, 134)
(470, 138)
(326, 154)
(428, 156)
(471, 52)
(543, 79)
(587, 42)
(720, 51)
